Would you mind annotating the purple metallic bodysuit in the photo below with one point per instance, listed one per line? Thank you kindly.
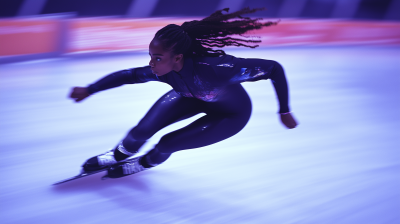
(209, 85)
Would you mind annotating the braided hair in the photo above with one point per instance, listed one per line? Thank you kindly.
(197, 38)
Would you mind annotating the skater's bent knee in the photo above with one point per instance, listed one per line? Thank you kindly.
(166, 146)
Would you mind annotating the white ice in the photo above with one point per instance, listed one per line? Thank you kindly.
(340, 165)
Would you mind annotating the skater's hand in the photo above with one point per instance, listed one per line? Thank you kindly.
(288, 120)
(79, 93)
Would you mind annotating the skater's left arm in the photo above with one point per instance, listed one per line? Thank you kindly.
(282, 91)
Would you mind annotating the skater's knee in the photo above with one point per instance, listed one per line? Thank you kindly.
(165, 145)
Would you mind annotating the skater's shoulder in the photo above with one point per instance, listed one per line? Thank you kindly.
(213, 61)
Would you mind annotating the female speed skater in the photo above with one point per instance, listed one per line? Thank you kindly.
(203, 80)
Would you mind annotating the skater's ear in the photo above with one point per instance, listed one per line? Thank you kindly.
(178, 58)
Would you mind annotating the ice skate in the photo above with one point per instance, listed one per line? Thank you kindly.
(126, 168)
(105, 160)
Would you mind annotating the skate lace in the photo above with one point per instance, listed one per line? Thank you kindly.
(107, 159)
(132, 167)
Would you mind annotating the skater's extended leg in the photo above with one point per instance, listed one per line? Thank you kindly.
(223, 120)
(169, 109)
(205, 131)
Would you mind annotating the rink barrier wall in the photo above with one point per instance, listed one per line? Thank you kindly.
(28, 38)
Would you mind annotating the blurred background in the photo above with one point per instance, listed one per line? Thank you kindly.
(59, 27)
(339, 166)
(320, 9)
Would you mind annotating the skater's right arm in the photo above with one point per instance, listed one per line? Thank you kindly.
(129, 76)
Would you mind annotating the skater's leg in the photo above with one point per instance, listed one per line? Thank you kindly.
(205, 131)
(223, 120)
(169, 109)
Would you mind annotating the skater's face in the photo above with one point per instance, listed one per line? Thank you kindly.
(162, 60)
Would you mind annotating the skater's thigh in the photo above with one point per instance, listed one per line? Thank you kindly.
(170, 108)
(205, 131)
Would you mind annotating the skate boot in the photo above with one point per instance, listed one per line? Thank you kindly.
(106, 159)
(126, 168)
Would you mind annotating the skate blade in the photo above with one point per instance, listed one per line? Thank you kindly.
(82, 174)
(105, 177)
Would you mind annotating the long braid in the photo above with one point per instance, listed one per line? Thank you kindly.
(197, 38)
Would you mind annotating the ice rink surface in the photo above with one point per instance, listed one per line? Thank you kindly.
(341, 165)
